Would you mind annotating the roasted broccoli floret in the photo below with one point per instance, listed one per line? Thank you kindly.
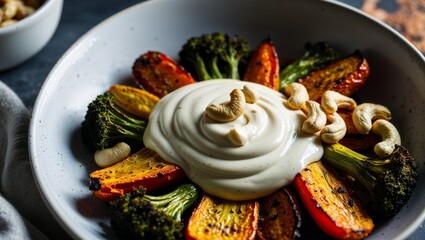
(389, 181)
(316, 56)
(136, 215)
(215, 55)
(106, 124)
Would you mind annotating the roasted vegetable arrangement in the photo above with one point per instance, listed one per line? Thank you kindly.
(365, 174)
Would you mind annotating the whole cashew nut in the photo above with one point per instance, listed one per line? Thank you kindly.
(390, 137)
(229, 111)
(332, 100)
(251, 96)
(365, 113)
(316, 118)
(109, 156)
(298, 95)
(335, 131)
(10, 8)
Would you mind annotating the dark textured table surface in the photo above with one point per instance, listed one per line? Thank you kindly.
(78, 17)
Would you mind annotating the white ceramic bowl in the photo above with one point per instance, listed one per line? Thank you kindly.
(105, 55)
(22, 40)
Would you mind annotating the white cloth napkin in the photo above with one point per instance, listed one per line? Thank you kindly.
(23, 214)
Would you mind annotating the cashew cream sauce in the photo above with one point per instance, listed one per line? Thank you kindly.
(276, 151)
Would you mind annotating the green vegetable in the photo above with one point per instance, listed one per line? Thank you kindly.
(389, 181)
(212, 56)
(316, 56)
(106, 124)
(136, 215)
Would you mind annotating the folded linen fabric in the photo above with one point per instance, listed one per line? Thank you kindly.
(23, 213)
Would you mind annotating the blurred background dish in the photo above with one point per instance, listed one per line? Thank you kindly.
(25, 28)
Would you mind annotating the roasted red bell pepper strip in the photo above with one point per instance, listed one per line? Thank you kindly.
(159, 74)
(331, 203)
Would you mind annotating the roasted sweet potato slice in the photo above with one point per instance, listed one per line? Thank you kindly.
(144, 168)
(159, 74)
(331, 203)
(263, 66)
(280, 216)
(216, 218)
(345, 76)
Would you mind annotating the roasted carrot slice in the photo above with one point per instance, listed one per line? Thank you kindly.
(136, 101)
(159, 74)
(331, 203)
(280, 216)
(144, 168)
(345, 76)
(216, 218)
(263, 66)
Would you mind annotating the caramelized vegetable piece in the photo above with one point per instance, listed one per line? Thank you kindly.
(144, 168)
(360, 142)
(331, 204)
(316, 56)
(344, 76)
(136, 101)
(280, 216)
(159, 74)
(346, 115)
(263, 66)
(221, 219)
(353, 139)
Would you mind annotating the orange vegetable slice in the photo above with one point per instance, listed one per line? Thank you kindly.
(222, 219)
(144, 168)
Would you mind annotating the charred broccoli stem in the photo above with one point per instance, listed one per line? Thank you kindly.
(389, 181)
(213, 56)
(316, 56)
(136, 215)
(106, 123)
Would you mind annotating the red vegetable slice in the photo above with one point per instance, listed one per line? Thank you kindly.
(159, 74)
(331, 204)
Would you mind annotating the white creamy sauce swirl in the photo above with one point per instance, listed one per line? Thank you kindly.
(276, 151)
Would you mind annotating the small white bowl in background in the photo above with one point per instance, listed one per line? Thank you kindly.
(22, 40)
